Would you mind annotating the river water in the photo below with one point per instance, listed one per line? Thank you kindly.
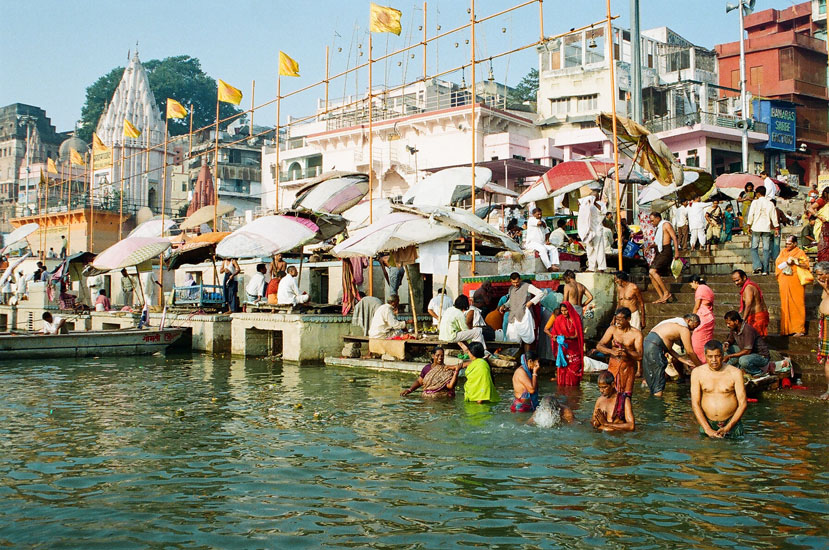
(201, 452)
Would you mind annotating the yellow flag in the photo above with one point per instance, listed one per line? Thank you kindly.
(76, 158)
(287, 66)
(229, 94)
(50, 166)
(175, 109)
(101, 153)
(384, 19)
(130, 131)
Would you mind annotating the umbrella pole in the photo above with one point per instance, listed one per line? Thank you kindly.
(412, 301)
(299, 277)
(140, 288)
(443, 290)
(615, 139)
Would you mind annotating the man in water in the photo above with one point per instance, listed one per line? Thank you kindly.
(718, 395)
(525, 384)
(623, 344)
(664, 242)
(545, 415)
(822, 278)
(628, 295)
(613, 411)
(575, 292)
(660, 341)
(752, 305)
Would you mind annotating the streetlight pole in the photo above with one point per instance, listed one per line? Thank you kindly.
(743, 99)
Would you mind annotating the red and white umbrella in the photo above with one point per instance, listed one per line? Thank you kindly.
(130, 252)
(267, 236)
(734, 184)
(565, 177)
(18, 236)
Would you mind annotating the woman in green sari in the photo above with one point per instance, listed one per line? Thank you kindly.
(745, 203)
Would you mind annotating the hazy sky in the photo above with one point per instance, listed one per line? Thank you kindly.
(51, 50)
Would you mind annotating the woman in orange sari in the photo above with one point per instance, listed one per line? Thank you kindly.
(568, 337)
(792, 270)
(704, 308)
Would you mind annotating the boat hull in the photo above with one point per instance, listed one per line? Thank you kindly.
(88, 344)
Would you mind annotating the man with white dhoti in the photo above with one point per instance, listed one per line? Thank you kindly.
(589, 225)
(521, 326)
(537, 240)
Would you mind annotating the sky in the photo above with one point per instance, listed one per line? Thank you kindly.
(52, 50)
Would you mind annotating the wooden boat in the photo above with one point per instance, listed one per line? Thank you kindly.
(99, 343)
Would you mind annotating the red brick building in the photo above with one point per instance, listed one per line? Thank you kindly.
(785, 61)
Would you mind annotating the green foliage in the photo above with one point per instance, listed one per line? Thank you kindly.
(527, 89)
(180, 77)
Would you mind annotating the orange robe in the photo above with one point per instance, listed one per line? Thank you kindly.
(792, 293)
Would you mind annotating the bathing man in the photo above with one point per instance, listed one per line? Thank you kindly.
(718, 395)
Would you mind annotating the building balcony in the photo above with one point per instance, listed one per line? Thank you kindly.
(709, 119)
(298, 174)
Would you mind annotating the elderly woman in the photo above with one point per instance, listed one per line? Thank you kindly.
(820, 210)
(436, 379)
(704, 308)
(568, 334)
(792, 270)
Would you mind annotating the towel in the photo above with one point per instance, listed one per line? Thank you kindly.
(434, 257)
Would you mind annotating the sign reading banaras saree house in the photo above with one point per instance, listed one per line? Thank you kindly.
(781, 118)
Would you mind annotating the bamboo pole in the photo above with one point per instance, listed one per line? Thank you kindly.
(146, 163)
(163, 207)
(252, 92)
(216, 171)
(69, 219)
(609, 41)
(190, 140)
(370, 161)
(424, 47)
(326, 79)
(45, 222)
(121, 195)
(541, 19)
(276, 139)
(472, 124)
(412, 301)
(92, 205)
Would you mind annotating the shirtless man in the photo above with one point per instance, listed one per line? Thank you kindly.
(628, 295)
(613, 411)
(660, 342)
(752, 305)
(525, 384)
(665, 242)
(575, 292)
(718, 395)
(822, 278)
(623, 344)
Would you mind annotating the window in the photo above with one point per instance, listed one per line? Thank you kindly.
(558, 106)
(735, 79)
(692, 158)
(756, 77)
(588, 103)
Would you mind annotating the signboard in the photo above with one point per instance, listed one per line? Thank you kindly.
(781, 118)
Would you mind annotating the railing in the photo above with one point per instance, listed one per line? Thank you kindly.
(292, 175)
(711, 119)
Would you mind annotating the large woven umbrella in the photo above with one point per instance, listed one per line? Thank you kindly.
(205, 215)
(333, 192)
(267, 236)
(191, 253)
(152, 228)
(130, 252)
(395, 231)
(18, 236)
(638, 143)
(566, 177)
(358, 215)
(448, 186)
(697, 184)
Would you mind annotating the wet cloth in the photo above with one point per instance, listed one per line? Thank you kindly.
(636, 320)
(434, 257)
(619, 407)
(654, 362)
(364, 313)
(624, 371)
(705, 331)
(792, 292)
(569, 347)
(823, 339)
(760, 322)
(736, 431)
(479, 386)
(435, 379)
(662, 261)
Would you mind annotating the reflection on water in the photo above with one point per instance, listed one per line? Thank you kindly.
(220, 453)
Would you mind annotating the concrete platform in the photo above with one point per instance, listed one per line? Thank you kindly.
(296, 337)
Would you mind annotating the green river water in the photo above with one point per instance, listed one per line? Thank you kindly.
(200, 452)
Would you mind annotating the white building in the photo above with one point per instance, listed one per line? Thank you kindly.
(419, 129)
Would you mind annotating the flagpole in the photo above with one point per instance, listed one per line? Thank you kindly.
(424, 51)
(276, 140)
(69, 219)
(609, 40)
(92, 206)
(121, 202)
(45, 220)
(474, 99)
(370, 161)
(252, 92)
(163, 207)
(326, 80)
(216, 171)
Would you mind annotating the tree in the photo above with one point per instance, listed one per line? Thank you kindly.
(527, 89)
(180, 77)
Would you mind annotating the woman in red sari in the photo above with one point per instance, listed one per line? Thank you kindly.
(568, 337)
